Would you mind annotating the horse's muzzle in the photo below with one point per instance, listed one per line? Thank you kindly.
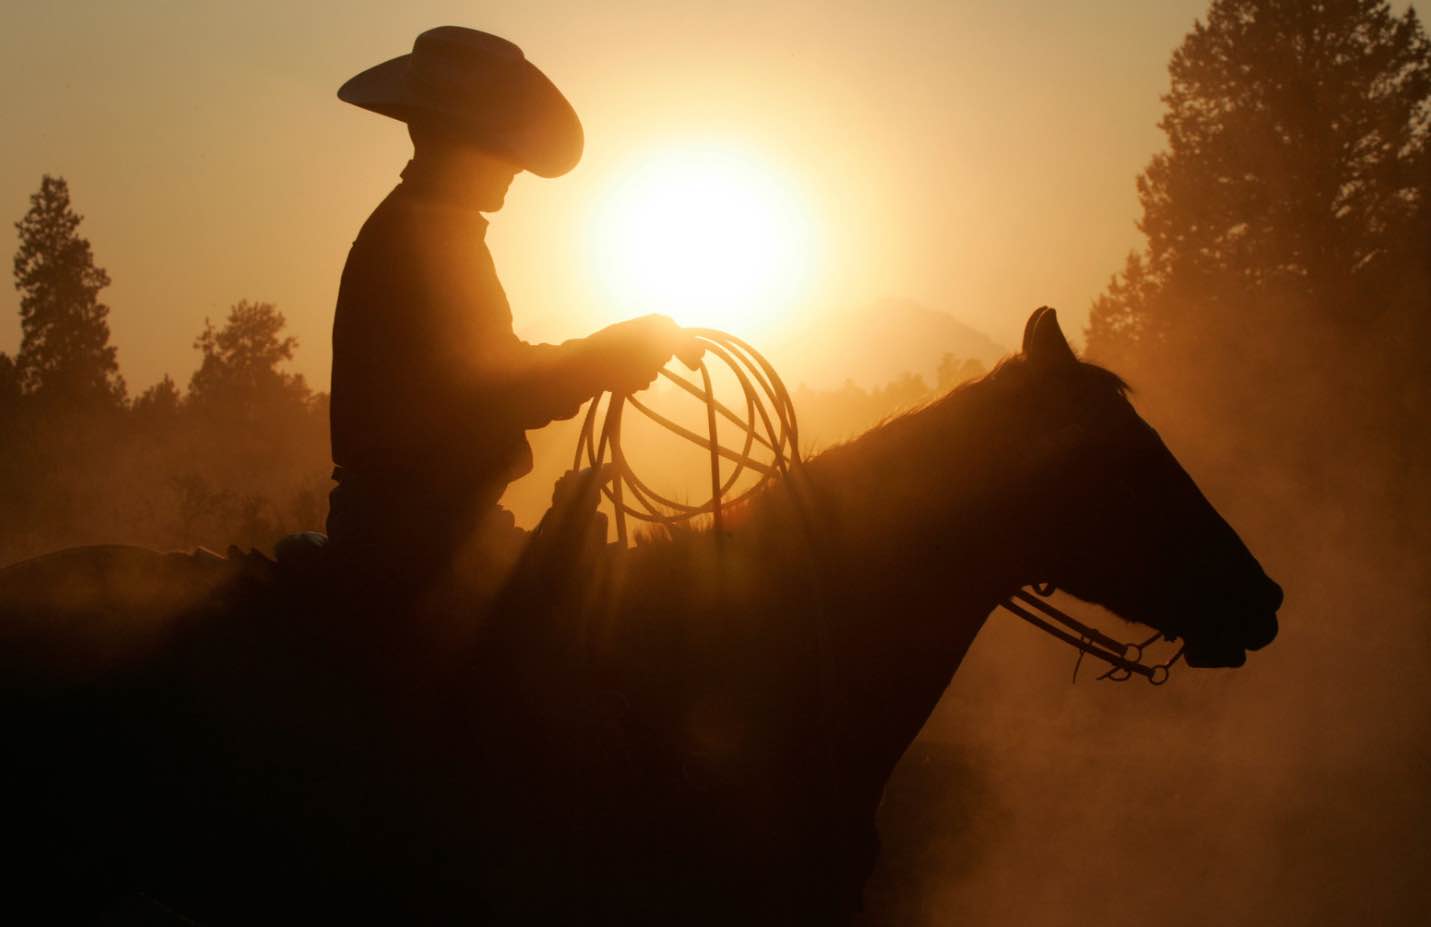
(1225, 643)
(1261, 627)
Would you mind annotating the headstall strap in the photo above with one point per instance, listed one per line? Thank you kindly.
(1125, 660)
(769, 421)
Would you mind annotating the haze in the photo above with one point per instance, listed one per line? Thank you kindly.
(928, 174)
(946, 151)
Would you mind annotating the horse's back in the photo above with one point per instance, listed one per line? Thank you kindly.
(80, 631)
(79, 614)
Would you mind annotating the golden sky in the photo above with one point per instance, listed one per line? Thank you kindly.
(975, 155)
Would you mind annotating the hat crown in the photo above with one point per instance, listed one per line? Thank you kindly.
(453, 61)
(458, 43)
(478, 84)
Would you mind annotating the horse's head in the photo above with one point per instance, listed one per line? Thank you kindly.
(1124, 525)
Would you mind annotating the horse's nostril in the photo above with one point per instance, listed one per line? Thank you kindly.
(1261, 631)
(1274, 598)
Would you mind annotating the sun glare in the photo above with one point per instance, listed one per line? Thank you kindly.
(709, 237)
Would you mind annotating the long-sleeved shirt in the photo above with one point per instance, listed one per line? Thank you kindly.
(432, 391)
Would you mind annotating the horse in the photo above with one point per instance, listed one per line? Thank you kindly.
(697, 729)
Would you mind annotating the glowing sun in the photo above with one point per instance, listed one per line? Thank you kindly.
(707, 236)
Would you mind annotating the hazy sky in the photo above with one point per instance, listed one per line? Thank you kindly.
(975, 155)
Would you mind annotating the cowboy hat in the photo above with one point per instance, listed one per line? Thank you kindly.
(484, 87)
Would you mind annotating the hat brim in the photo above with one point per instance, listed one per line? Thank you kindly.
(547, 140)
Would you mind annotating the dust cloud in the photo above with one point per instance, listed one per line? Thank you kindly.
(1291, 791)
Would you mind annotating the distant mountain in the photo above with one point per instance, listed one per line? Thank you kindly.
(875, 343)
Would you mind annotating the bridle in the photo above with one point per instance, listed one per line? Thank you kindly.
(769, 422)
(1125, 660)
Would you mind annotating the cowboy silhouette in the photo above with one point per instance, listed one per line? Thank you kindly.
(432, 393)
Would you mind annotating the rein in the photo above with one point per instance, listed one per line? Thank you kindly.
(769, 421)
(1125, 660)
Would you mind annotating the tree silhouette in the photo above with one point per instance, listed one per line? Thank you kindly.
(239, 372)
(65, 357)
(1296, 172)
(10, 405)
(159, 403)
(9, 383)
(1281, 310)
(955, 370)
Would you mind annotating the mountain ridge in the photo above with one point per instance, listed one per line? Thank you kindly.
(874, 343)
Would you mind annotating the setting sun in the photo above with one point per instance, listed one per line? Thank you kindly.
(708, 236)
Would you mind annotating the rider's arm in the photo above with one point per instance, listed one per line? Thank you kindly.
(543, 383)
(532, 385)
(550, 382)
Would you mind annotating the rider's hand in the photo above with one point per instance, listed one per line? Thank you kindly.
(691, 352)
(633, 352)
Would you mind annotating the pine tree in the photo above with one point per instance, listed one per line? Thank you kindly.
(239, 372)
(9, 387)
(65, 358)
(159, 403)
(1296, 173)
(1282, 304)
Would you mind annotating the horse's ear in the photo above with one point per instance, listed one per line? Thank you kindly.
(1044, 343)
(1031, 324)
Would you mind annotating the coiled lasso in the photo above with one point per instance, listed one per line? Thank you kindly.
(769, 421)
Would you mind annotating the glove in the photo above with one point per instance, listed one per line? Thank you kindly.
(630, 354)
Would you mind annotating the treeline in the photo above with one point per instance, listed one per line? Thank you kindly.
(240, 455)
(1280, 313)
(830, 416)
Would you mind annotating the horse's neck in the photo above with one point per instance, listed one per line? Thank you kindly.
(927, 498)
(920, 542)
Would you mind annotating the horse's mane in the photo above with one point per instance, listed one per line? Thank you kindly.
(970, 411)
(1006, 373)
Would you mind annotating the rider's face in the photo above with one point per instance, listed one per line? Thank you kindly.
(481, 175)
(487, 176)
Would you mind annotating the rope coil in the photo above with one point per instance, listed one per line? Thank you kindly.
(769, 421)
